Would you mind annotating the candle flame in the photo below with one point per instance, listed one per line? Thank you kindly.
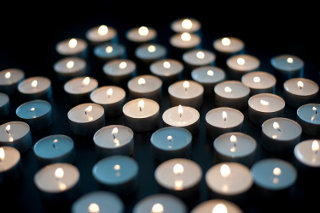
(70, 64)
(186, 24)
(141, 81)
(227, 89)
(220, 208)
(2, 154)
(72, 43)
(169, 138)
(143, 31)
(32, 109)
(289, 60)
(88, 109)
(93, 208)
(34, 83)
(276, 126)
(315, 146)
(7, 75)
(109, 49)
(123, 65)
(225, 41)
(186, 85)
(225, 170)
(264, 103)
(151, 48)
(116, 167)
(314, 109)
(185, 36)
(233, 138)
(103, 30)
(256, 79)
(109, 92)
(224, 115)
(59, 173)
(178, 185)
(86, 81)
(116, 142)
(8, 128)
(115, 130)
(210, 73)
(200, 55)
(62, 186)
(300, 84)
(276, 171)
(180, 110)
(178, 169)
(141, 104)
(241, 61)
(166, 64)
(157, 208)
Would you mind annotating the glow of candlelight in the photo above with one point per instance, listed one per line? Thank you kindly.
(123, 65)
(256, 79)
(178, 169)
(141, 104)
(186, 24)
(264, 103)
(103, 30)
(241, 61)
(166, 64)
(93, 208)
(109, 92)
(315, 146)
(225, 41)
(276, 126)
(141, 81)
(220, 208)
(225, 170)
(70, 64)
(2, 154)
(109, 49)
(200, 55)
(72, 43)
(34, 83)
(186, 85)
(227, 89)
(85, 81)
(59, 173)
(289, 60)
(180, 111)
(157, 208)
(300, 84)
(7, 75)
(143, 31)
(210, 73)
(224, 115)
(151, 48)
(185, 36)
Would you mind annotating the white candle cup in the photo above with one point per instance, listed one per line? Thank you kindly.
(169, 70)
(150, 52)
(37, 113)
(101, 34)
(98, 201)
(230, 181)
(182, 116)
(198, 58)
(280, 135)
(141, 114)
(37, 87)
(182, 42)
(171, 142)
(235, 147)
(85, 119)
(72, 47)
(190, 25)
(4, 106)
(228, 46)
(208, 77)
(114, 140)
(10, 164)
(58, 182)
(259, 82)
(16, 134)
(308, 116)
(180, 177)
(78, 89)
(110, 51)
(186, 93)
(145, 86)
(287, 67)
(158, 203)
(238, 65)
(70, 67)
(231, 94)
(264, 106)
(112, 98)
(299, 91)
(221, 120)
(119, 71)
(117, 174)
(216, 206)
(9, 79)
(54, 149)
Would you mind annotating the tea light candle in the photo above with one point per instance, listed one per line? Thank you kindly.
(141, 114)
(239, 65)
(109, 51)
(117, 173)
(37, 113)
(145, 86)
(69, 67)
(72, 47)
(158, 203)
(229, 180)
(54, 149)
(299, 91)
(4, 105)
(58, 182)
(98, 201)
(280, 134)
(85, 119)
(287, 66)
(9, 164)
(112, 98)
(228, 46)
(189, 25)
(259, 82)
(235, 147)
(307, 153)
(114, 139)
(198, 58)
(208, 77)
(231, 94)
(171, 142)
(79, 88)
(216, 206)
(179, 176)
(37, 87)
(119, 71)
(9, 79)
(264, 106)
(16, 134)
(182, 42)
(169, 70)
(150, 52)
(182, 116)
(101, 34)
(142, 34)
(308, 116)
(223, 119)
(186, 93)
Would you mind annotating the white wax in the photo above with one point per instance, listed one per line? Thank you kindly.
(134, 36)
(177, 42)
(309, 87)
(18, 130)
(131, 108)
(307, 114)
(234, 117)
(75, 86)
(259, 80)
(304, 153)
(63, 47)
(116, 51)
(238, 89)
(191, 57)
(266, 102)
(280, 62)
(14, 77)
(43, 85)
(4, 105)
(93, 34)
(46, 181)
(251, 63)
(160, 68)
(78, 68)
(180, 26)
(10, 160)
(172, 116)
(118, 68)
(142, 52)
(235, 45)
(208, 206)
(77, 114)
(152, 84)
(101, 97)
(208, 75)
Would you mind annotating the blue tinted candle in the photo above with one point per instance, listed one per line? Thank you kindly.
(308, 116)
(4, 105)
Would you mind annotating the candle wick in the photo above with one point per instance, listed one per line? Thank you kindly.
(180, 115)
(54, 145)
(186, 89)
(114, 136)
(140, 108)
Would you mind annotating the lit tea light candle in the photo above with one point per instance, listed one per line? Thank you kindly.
(100, 34)
(114, 139)
(259, 82)
(160, 203)
(231, 94)
(299, 91)
(4, 106)
(16, 134)
(9, 164)
(112, 98)
(208, 77)
(9, 79)
(108, 51)
(171, 142)
(264, 106)
(98, 201)
(150, 52)
(280, 134)
(169, 70)
(223, 180)
(37, 113)
(236, 147)
(287, 67)
(179, 176)
(223, 119)
(141, 114)
(72, 47)
(186, 93)
(182, 42)
(117, 174)
(190, 25)
(228, 46)
(182, 116)
(141, 34)
(119, 71)
(198, 58)
(308, 116)
(216, 206)
(54, 149)
(37, 87)
(307, 154)
(238, 65)
(85, 119)
(70, 67)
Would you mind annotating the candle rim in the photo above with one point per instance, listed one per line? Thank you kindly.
(85, 105)
(14, 72)
(13, 159)
(299, 155)
(305, 81)
(26, 83)
(176, 27)
(269, 95)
